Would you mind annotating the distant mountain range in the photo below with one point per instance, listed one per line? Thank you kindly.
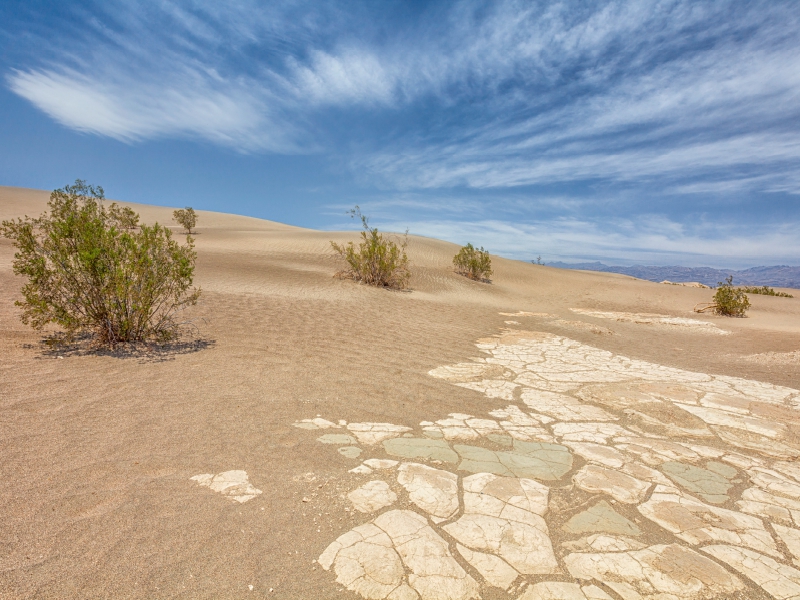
(779, 276)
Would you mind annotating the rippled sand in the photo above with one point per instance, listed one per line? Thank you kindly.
(460, 440)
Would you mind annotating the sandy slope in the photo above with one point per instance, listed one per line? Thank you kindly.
(97, 451)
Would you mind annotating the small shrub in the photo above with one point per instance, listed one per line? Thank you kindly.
(376, 260)
(124, 216)
(186, 218)
(89, 272)
(764, 291)
(473, 263)
(730, 301)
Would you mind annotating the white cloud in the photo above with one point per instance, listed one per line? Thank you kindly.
(130, 112)
(351, 77)
(645, 100)
(469, 167)
(648, 240)
(516, 93)
(717, 110)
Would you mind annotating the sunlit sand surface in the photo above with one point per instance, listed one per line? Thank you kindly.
(552, 435)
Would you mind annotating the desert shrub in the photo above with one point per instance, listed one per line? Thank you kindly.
(377, 260)
(186, 218)
(89, 272)
(764, 291)
(473, 263)
(125, 217)
(730, 301)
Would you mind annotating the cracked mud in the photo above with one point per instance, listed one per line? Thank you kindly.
(590, 476)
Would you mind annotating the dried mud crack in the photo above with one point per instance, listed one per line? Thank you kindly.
(682, 485)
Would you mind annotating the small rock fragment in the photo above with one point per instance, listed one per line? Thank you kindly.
(232, 484)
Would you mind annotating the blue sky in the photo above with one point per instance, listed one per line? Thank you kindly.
(631, 132)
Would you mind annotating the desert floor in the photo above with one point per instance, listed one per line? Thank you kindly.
(553, 434)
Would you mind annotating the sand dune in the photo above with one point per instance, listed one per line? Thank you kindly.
(584, 407)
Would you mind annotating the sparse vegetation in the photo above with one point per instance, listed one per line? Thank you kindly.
(186, 218)
(473, 263)
(728, 300)
(90, 271)
(764, 291)
(124, 216)
(377, 260)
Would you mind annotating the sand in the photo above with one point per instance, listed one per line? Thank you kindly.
(99, 450)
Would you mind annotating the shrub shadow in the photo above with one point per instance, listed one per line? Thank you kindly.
(55, 346)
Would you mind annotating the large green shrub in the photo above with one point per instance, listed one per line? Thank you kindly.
(730, 301)
(377, 260)
(473, 263)
(186, 218)
(90, 270)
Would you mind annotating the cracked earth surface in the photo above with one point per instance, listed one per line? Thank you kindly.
(590, 476)
(653, 319)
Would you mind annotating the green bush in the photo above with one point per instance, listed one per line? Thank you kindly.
(764, 291)
(89, 272)
(473, 263)
(376, 260)
(730, 301)
(186, 218)
(124, 216)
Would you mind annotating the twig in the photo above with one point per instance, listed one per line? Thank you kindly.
(708, 306)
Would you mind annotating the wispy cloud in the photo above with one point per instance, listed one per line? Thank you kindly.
(191, 106)
(352, 77)
(518, 93)
(655, 241)
(498, 110)
(564, 228)
(710, 109)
